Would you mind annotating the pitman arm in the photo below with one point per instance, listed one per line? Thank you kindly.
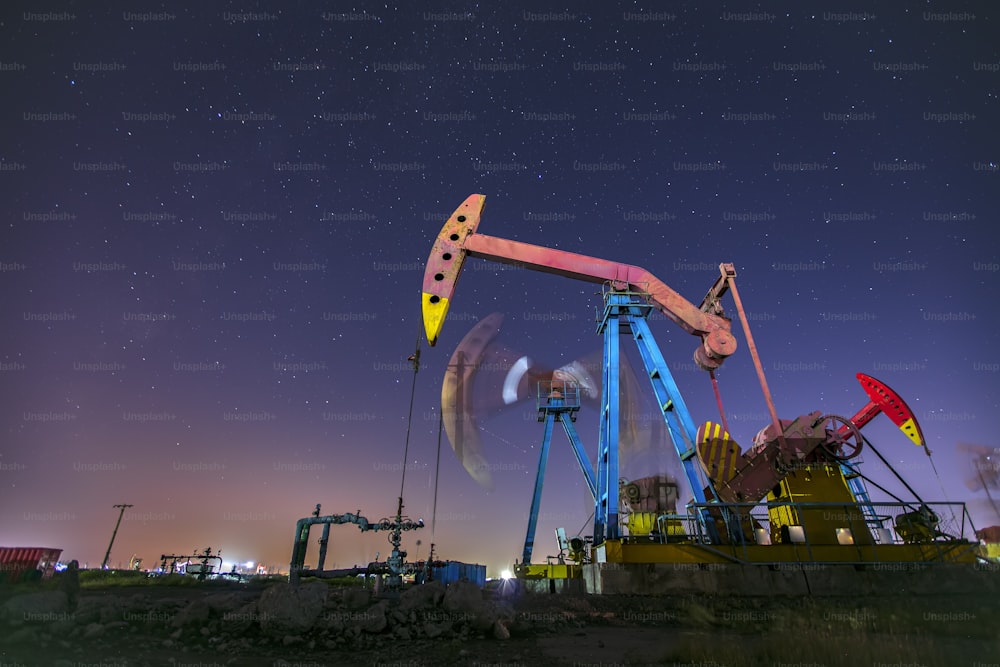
(458, 239)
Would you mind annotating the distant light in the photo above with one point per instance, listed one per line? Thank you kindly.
(248, 564)
(506, 575)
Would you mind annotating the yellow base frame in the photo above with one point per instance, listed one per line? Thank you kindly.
(557, 571)
(614, 551)
(818, 483)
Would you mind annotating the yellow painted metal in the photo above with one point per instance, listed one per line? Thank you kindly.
(548, 571)
(717, 452)
(990, 551)
(817, 483)
(641, 523)
(644, 523)
(435, 309)
(616, 551)
(912, 431)
(878, 556)
(672, 527)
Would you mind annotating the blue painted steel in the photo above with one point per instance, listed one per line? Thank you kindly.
(606, 504)
(581, 455)
(452, 571)
(860, 492)
(630, 310)
(557, 401)
(678, 419)
(536, 498)
(553, 407)
(561, 398)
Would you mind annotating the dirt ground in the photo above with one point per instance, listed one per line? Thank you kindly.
(547, 630)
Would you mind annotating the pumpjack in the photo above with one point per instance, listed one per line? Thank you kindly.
(797, 494)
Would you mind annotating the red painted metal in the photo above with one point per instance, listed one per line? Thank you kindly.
(730, 274)
(448, 254)
(620, 276)
(882, 399)
(16, 561)
(718, 400)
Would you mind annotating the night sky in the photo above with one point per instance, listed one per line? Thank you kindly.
(216, 221)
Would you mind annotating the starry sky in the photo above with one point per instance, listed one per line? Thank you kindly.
(216, 220)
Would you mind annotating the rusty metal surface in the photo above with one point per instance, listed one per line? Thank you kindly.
(769, 459)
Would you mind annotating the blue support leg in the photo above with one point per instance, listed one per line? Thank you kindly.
(581, 455)
(606, 504)
(678, 419)
(536, 498)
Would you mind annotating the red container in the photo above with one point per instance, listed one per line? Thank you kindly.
(16, 561)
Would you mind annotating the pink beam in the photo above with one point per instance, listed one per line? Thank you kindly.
(459, 239)
(593, 270)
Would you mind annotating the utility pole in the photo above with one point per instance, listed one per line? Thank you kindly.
(108, 554)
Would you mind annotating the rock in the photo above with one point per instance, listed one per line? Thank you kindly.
(374, 619)
(483, 620)
(44, 606)
(22, 636)
(112, 610)
(62, 629)
(93, 630)
(289, 640)
(500, 630)
(357, 598)
(220, 603)
(333, 620)
(285, 609)
(88, 610)
(463, 597)
(433, 630)
(481, 616)
(426, 596)
(196, 613)
(240, 620)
